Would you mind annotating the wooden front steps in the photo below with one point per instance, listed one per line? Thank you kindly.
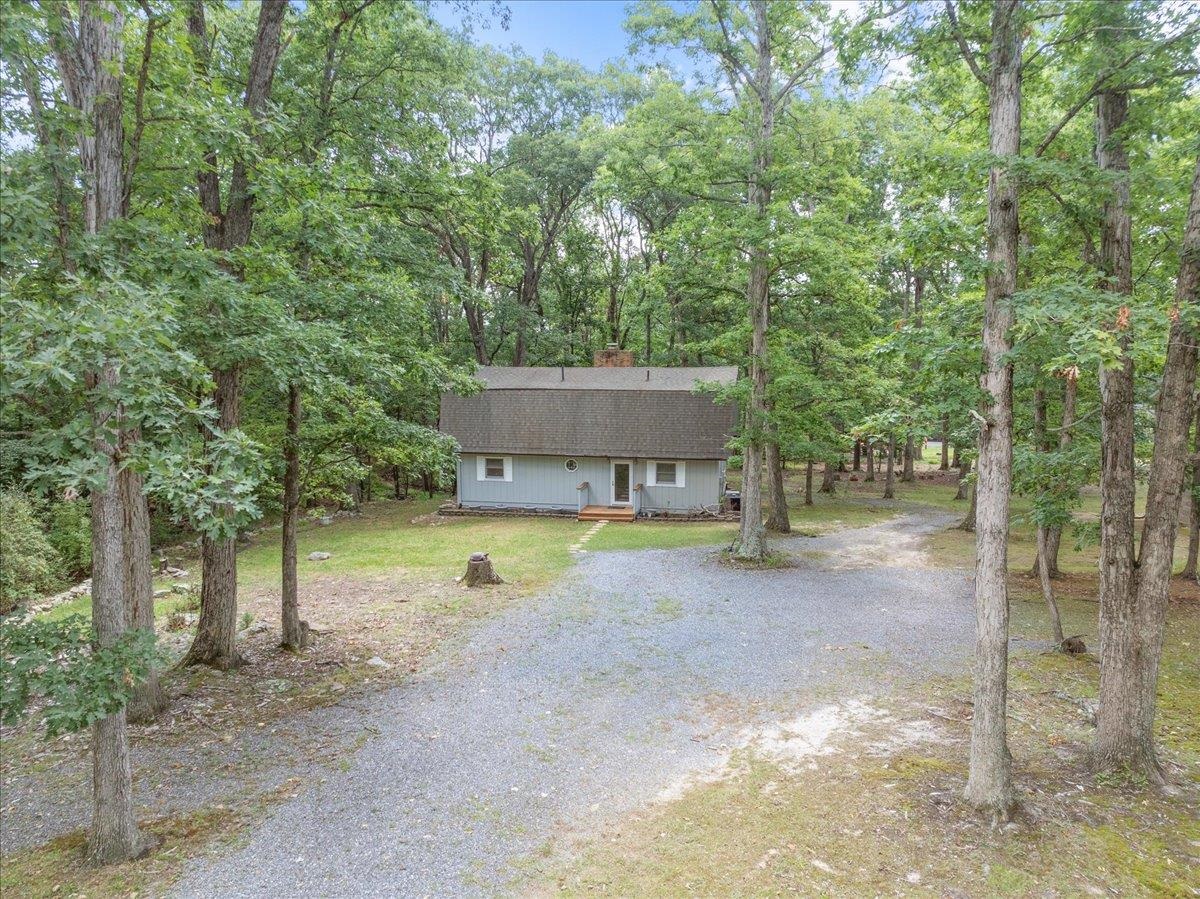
(606, 513)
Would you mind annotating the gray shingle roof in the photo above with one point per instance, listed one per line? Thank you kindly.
(593, 412)
(554, 378)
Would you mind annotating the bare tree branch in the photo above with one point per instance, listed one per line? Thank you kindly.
(963, 46)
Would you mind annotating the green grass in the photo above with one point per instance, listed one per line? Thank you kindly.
(662, 535)
(956, 548)
(842, 510)
(385, 541)
(59, 869)
(1177, 720)
(82, 605)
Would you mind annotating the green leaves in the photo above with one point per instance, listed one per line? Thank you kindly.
(54, 669)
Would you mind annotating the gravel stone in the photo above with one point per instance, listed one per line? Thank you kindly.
(566, 712)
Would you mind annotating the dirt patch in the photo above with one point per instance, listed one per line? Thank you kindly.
(772, 560)
(858, 799)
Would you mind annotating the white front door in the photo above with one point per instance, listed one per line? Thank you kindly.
(622, 478)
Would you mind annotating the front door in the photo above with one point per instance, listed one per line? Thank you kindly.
(622, 475)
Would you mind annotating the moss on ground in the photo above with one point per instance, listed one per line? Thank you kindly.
(59, 868)
(857, 823)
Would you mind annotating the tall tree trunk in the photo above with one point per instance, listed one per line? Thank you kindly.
(989, 780)
(955, 462)
(215, 643)
(1041, 443)
(870, 462)
(945, 463)
(889, 484)
(857, 461)
(808, 481)
(227, 229)
(114, 835)
(752, 541)
(1118, 643)
(907, 476)
(293, 629)
(90, 65)
(1132, 625)
(474, 317)
(1189, 568)
(778, 519)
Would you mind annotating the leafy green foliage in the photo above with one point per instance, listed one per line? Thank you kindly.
(55, 668)
(29, 563)
(69, 530)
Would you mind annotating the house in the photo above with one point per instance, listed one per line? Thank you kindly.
(612, 441)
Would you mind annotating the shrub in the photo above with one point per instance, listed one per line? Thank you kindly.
(28, 563)
(69, 530)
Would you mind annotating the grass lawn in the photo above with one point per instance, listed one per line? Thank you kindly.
(82, 605)
(408, 541)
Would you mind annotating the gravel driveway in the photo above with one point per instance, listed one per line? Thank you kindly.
(573, 709)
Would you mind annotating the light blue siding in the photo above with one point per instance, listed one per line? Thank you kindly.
(543, 482)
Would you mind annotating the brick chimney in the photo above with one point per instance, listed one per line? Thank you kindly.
(612, 356)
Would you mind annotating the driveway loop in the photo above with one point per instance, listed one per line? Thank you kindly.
(570, 711)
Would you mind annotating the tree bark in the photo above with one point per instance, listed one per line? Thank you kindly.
(889, 484)
(964, 471)
(1048, 588)
(907, 476)
(215, 643)
(828, 478)
(968, 522)
(857, 461)
(480, 572)
(870, 462)
(989, 780)
(90, 64)
(1066, 436)
(808, 481)
(294, 631)
(149, 698)
(1118, 644)
(1189, 568)
(114, 835)
(1132, 623)
(752, 541)
(778, 520)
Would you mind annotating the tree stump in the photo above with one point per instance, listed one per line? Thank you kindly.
(480, 571)
(1074, 645)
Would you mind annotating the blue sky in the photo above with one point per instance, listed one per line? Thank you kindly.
(588, 31)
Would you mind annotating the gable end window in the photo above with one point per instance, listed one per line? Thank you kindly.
(493, 468)
(665, 474)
